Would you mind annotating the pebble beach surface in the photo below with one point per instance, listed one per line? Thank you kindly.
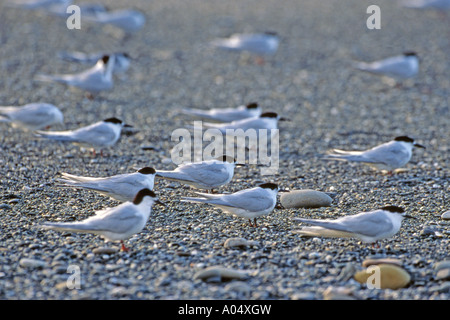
(194, 251)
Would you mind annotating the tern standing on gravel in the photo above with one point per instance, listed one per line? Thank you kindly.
(248, 203)
(402, 67)
(32, 116)
(368, 226)
(387, 156)
(113, 224)
(121, 187)
(93, 80)
(226, 114)
(97, 135)
(209, 174)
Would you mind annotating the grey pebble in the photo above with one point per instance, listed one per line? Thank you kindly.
(446, 215)
(32, 263)
(305, 199)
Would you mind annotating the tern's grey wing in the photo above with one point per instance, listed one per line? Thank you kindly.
(370, 224)
(389, 154)
(118, 220)
(211, 174)
(96, 134)
(250, 200)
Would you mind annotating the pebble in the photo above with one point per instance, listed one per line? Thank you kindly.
(391, 277)
(239, 243)
(105, 250)
(444, 287)
(219, 274)
(5, 206)
(442, 265)
(446, 215)
(339, 293)
(32, 263)
(305, 199)
(370, 262)
(443, 274)
(240, 288)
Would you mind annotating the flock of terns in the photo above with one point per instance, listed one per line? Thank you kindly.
(135, 190)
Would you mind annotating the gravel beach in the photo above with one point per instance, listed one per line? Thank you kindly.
(309, 80)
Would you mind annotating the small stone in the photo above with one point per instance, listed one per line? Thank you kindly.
(384, 276)
(444, 287)
(427, 231)
(339, 293)
(61, 285)
(347, 272)
(239, 287)
(32, 263)
(239, 243)
(5, 206)
(446, 215)
(105, 250)
(220, 274)
(303, 296)
(370, 262)
(443, 274)
(305, 199)
(442, 265)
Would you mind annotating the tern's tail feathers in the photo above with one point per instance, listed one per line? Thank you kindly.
(51, 78)
(4, 110)
(4, 118)
(343, 155)
(67, 177)
(323, 232)
(225, 44)
(194, 112)
(70, 226)
(364, 66)
(171, 175)
(194, 200)
(54, 135)
(64, 183)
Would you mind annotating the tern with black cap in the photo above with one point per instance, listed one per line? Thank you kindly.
(97, 135)
(117, 223)
(402, 66)
(32, 116)
(267, 120)
(369, 226)
(248, 203)
(93, 80)
(208, 174)
(387, 156)
(226, 114)
(121, 187)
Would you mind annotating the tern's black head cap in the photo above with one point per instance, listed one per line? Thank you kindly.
(404, 139)
(269, 115)
(393, 209)
(141, 194)
(225, 158)
(410, 54)
(113, 120)
(147, 170)
(269, 185)
(252, 105)
(105, 59)
(271, 33)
